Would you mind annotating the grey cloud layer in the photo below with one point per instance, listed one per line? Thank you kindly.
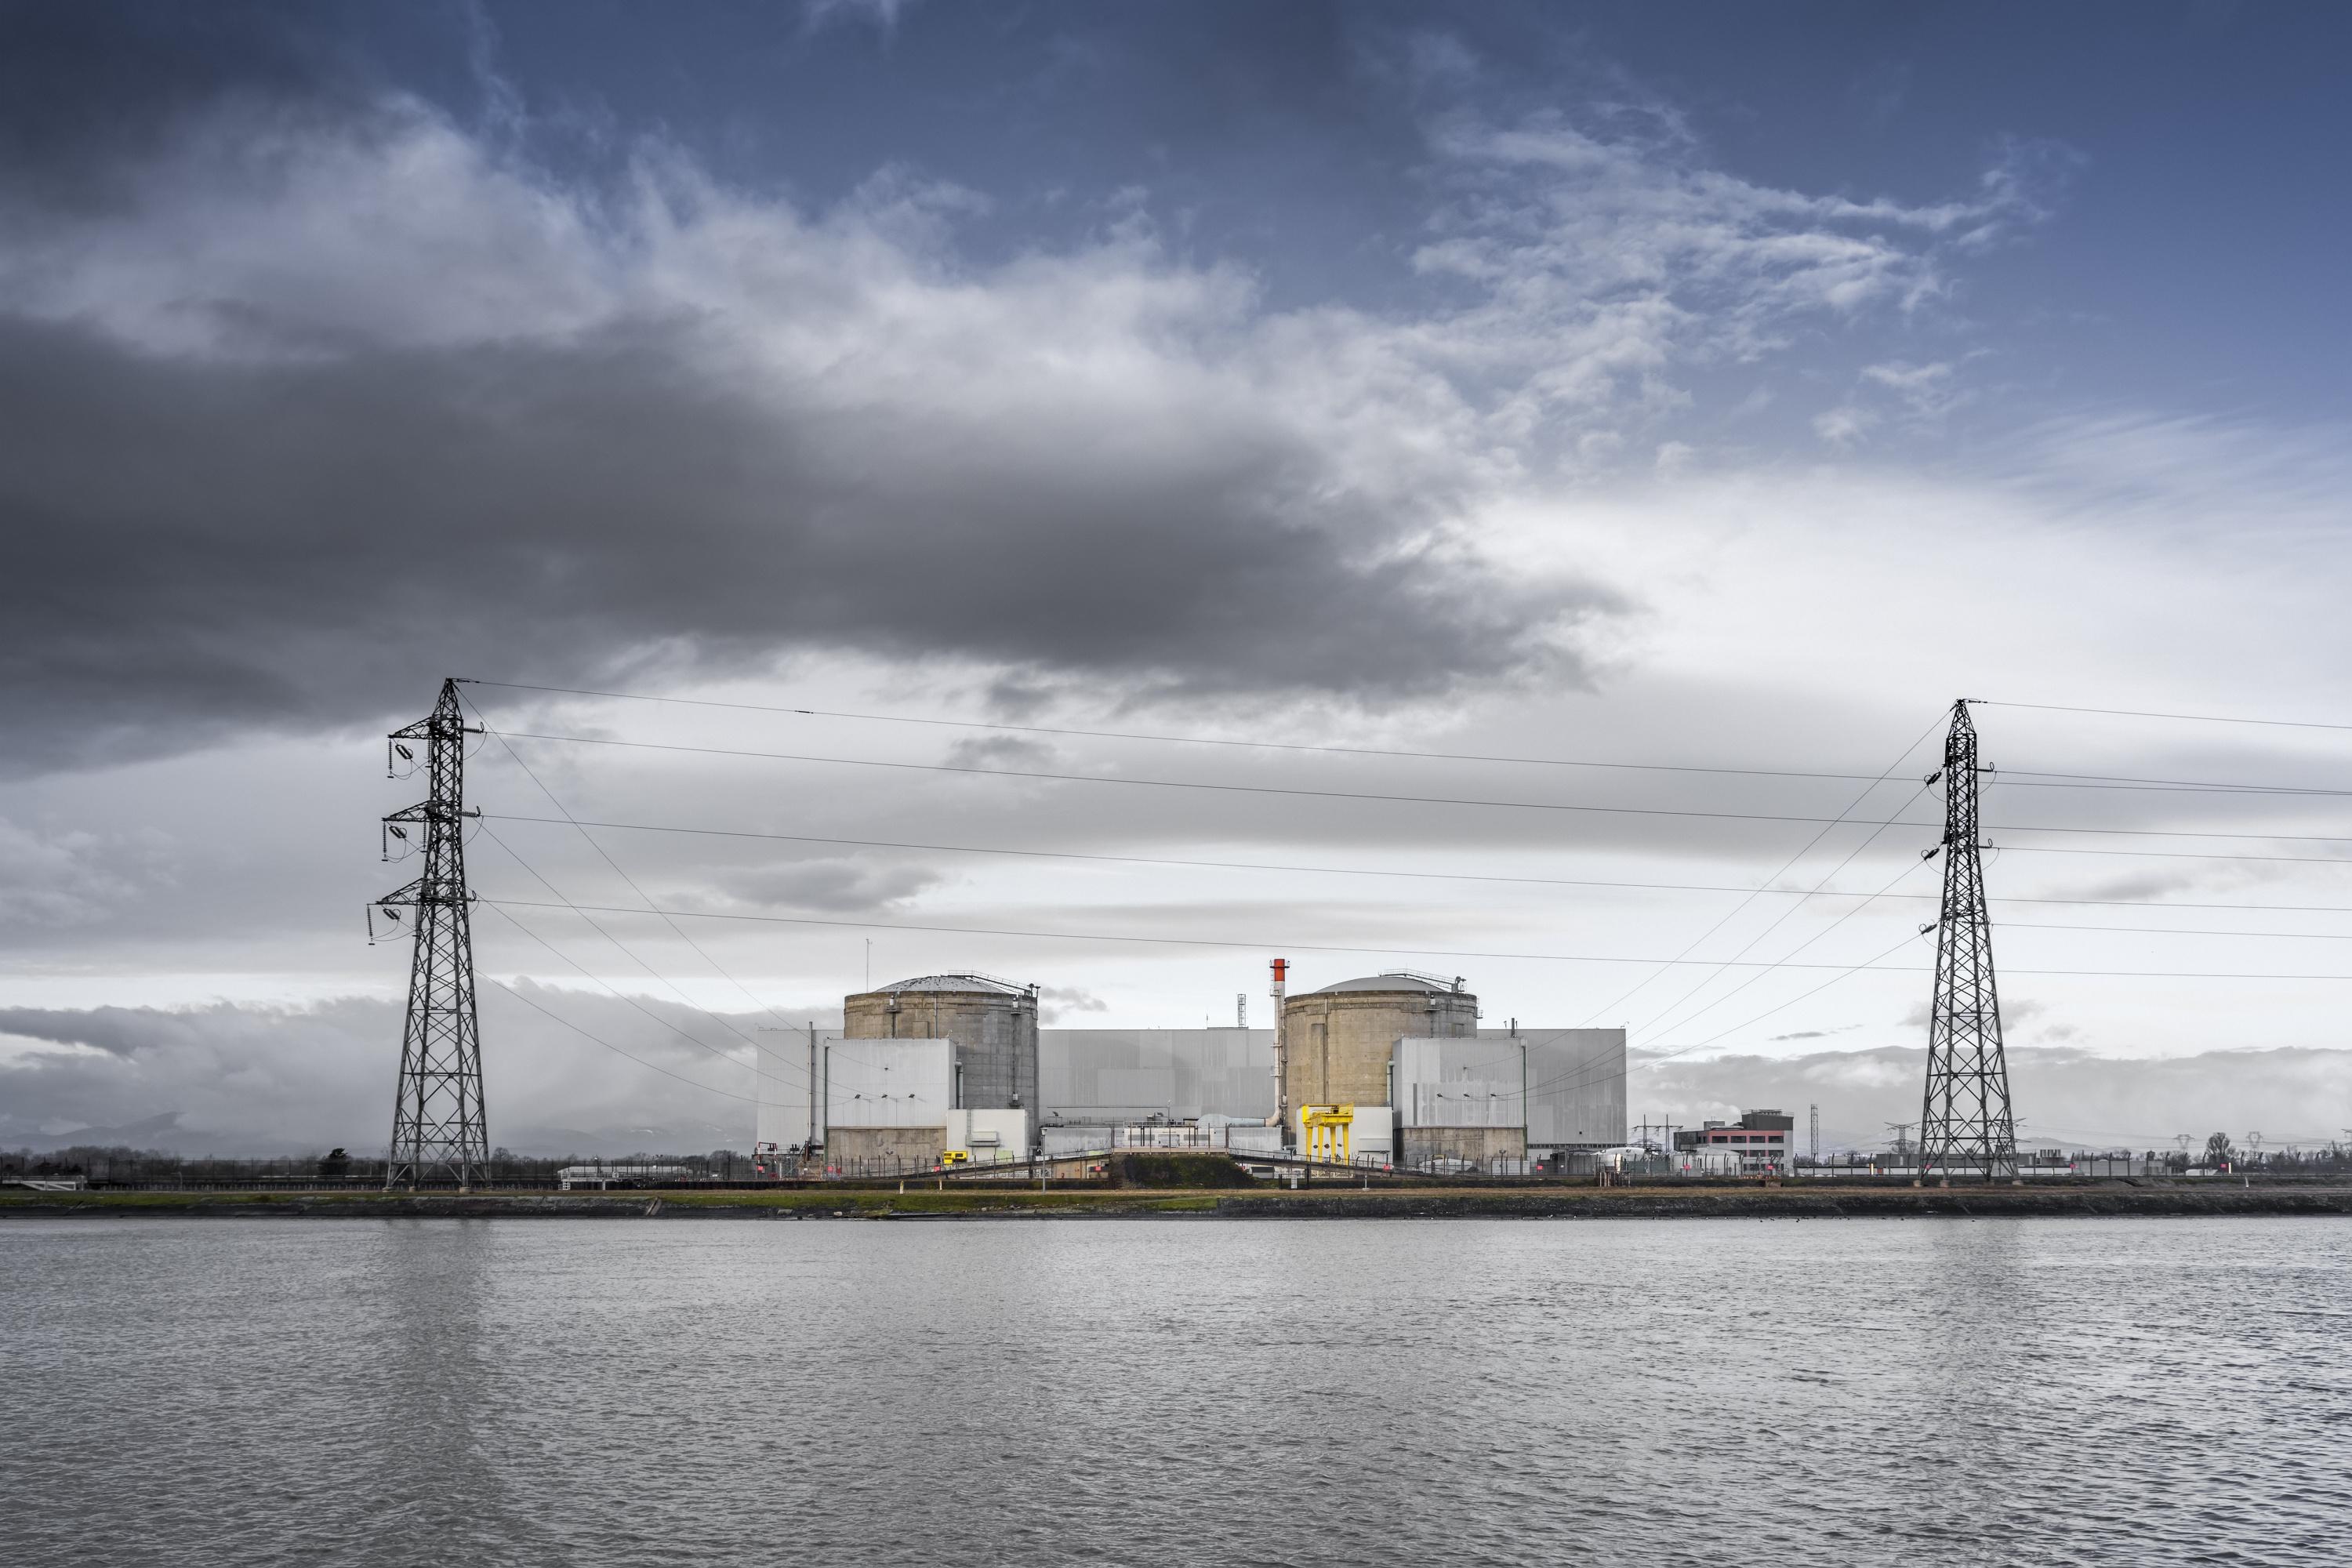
(323, 405)
(307, 1078)
(255, 484)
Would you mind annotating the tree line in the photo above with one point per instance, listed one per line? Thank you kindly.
(120, 1163)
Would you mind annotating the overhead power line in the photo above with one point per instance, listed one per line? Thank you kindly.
(1172, 784)
(1367, 796)
(1852, 806)
(1185, 740)
(622, 996)
(2175, 855)
(1322, 947)
(1689, 1018)
(2187, 718)
(706, 1088)
(2021, 778)
(1580, 1074)
(606, 856)
(1373, 870)
(2181, 930)
(2027, 779)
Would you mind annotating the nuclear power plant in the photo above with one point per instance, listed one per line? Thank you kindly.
(1393, 1070)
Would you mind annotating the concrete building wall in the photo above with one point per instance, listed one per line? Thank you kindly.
(1462, 1080)
(1111, 1076)
(1338, 1042)
(1476, 1144)
(1576, 1088)
(987, 1136)
(994, 1026)
(1371, 1134)
(886, 1101)
(916, 1148)
(888, 1083)
(789, 1071)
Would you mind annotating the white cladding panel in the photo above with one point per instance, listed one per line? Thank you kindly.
(1467, 1103)
(989, 1135)
(1117, 1076)
(789, 1062)
(1462, 1080)
(1574, 1079)
(1373, 1131)
(1576, 1088)
(888, 1083)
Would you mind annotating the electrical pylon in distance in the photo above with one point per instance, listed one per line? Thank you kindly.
(1965, 1122)
(438, 1132)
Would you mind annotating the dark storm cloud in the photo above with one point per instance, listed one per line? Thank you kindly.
(307, 543)
(88, 90)
(332, 395)
(311, 397)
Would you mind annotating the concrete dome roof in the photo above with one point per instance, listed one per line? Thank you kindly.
(988, 983)
(1396, 981)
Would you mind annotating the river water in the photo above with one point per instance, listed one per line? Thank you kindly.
(670, 1392)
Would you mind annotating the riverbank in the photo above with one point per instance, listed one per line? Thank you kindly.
(1792, 1202)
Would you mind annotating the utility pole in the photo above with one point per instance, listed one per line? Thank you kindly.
(1813, 1114)
(438, 1130)
(1964, 1118)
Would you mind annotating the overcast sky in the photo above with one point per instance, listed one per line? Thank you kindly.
(1729, 388)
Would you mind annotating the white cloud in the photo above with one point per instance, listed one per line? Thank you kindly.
(1844, 424)
(1616, 259)
(1924, 390)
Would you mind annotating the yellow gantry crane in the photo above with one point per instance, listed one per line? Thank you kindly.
(1329, 1129)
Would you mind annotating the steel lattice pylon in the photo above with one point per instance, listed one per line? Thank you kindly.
(438, 1132)
(1965, 1122)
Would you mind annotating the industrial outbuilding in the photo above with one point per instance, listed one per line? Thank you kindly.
(1337, 1042)
(992, 1024)
(955, 1066)
(938, 1066)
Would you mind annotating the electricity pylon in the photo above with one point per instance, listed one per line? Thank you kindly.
(438, 1132)
(1965, 1121)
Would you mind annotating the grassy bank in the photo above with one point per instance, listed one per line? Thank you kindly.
(2117, 1198)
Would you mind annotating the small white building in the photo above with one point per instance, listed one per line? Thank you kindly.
(879, 1104)
(986, 1137)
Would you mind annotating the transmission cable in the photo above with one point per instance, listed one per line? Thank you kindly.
(2175, 855)
(1653, 1021)
(2071, 780)
(1575, 1077)
(1369, 796)
(1333, 947)
(706, 1088)
(1850, 807)
(623, 996)
(1370, 870)
(566, 813)
(1182, 740)
(1163, 784)
(2187, 718)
